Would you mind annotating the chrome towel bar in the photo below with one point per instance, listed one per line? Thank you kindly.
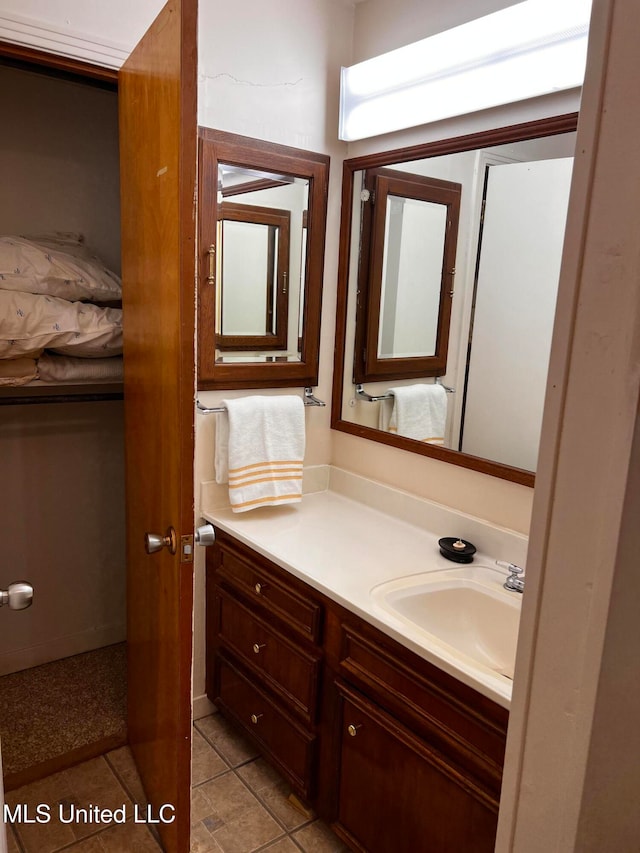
(309, 400)
(361, 394)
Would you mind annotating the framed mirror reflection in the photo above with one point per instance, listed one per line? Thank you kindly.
(262, 211)
(490, 299)
(252, 305)
(408, 237)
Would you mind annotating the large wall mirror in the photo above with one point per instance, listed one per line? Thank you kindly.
(262, 211)
(463, 291)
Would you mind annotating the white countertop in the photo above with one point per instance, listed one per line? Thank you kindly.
(343, 548)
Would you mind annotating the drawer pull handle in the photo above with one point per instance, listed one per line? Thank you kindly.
(353, 730)
(255, 718)
(258, 646)
(260, 588)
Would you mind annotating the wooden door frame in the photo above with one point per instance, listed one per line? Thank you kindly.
(19, 56)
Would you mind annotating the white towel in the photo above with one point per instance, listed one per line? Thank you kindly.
(416, 411)
(264, 440)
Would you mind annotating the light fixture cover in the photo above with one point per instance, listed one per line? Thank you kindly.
(529, 49)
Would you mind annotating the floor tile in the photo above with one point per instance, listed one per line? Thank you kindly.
(201, 806)
(123, 765)
(234, 748)
(227, 797)
(205, 761)
(316, 837)
(247, 831)
(89, 784)
(129, 837)
(259, 775)
(202, 841)
(283, 845)
(276, 800)
(273, 791)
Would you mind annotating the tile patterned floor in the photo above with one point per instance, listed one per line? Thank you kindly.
(110, 781)
(239, 804)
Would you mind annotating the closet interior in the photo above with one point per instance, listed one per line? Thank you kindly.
(62, 661)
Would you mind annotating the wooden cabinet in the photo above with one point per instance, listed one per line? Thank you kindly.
(264, 657)
(289, 745)
(398, 793)
(391, 751)
(427, 749)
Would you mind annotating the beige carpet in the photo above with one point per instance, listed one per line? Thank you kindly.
(52, 709)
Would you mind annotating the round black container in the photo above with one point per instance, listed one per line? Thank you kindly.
(457, 555)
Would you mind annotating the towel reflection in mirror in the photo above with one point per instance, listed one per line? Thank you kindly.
(415, 411)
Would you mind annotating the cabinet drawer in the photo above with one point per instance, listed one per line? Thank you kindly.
(397, 794)
(284, 741)
(285, 668)
(299, 613)
(456, 719)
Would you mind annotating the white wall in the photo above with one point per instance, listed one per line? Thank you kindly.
(62, 529)
(59, 160)
(382, 25)
(271, 71)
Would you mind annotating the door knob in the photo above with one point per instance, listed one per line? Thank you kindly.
(205, 535)
(155, 542)
(18, 596)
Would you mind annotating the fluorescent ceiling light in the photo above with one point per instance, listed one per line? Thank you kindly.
(527, 50)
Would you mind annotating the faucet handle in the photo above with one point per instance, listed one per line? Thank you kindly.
(510, 567)
(513, 582)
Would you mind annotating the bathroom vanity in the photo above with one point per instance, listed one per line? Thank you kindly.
(397, 742)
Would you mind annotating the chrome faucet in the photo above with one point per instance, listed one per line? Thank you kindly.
(513, 582)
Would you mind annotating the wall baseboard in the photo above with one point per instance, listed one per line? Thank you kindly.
(202, 707)
(61, 647)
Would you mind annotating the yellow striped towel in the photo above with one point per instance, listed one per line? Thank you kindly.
(266, 451)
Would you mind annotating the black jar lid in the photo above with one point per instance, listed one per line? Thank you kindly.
(457, 550)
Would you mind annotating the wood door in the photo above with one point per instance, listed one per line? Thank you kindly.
(525, 211)
(158, 172)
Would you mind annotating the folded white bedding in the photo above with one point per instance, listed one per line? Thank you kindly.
(62, 368)
(17, 371)
(30, 323)
(56, 265)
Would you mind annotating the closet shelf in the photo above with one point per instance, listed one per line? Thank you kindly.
(79, 392)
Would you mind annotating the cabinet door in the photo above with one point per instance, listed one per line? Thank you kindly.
(396, 794)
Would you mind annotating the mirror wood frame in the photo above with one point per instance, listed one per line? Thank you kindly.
(553, 126)
(216, 146)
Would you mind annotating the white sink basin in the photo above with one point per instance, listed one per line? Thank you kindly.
(465, 609)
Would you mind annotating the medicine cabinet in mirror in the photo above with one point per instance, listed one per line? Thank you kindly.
(449, 265)
(262, 210)
(407, 254)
